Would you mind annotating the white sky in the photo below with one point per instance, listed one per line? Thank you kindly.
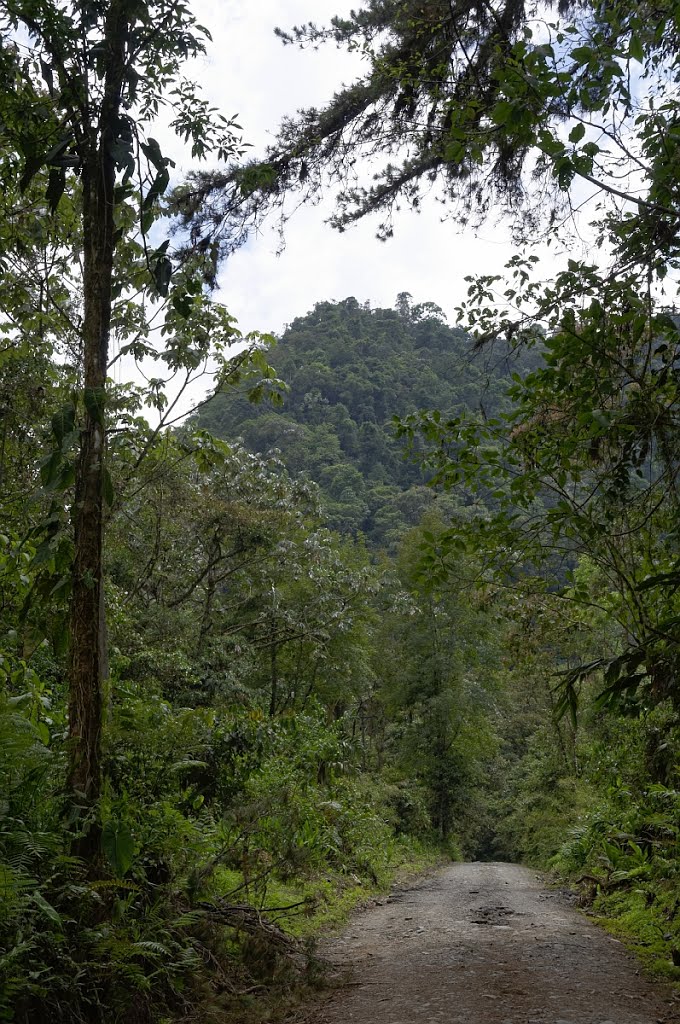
(249, 72)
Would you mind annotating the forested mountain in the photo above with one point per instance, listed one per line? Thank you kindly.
(350, 370)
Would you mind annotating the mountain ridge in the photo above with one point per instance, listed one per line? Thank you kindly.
(349, 370)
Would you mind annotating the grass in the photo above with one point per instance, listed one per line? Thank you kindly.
(322, 902)
(328, 899)
(646, 920)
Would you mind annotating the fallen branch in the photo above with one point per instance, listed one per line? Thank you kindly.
(245, 918)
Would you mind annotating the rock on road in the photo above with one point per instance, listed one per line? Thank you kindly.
(486, 944)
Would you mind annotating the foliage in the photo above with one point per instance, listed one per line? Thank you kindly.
(438, 693)
(290, 712)
(624, 849)
(473, 95)
(453, 93)
(228, 775)
(501, 106)
(77, 106)
(201, 806)
(349, 369)
(585, 465)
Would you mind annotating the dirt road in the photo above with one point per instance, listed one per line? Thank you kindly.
(487, 944)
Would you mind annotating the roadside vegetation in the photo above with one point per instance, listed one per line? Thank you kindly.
(399, 591)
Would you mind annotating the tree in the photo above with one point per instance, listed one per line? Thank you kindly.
(349, 371)
(226, 588)
(502, 109)
(435, 72)
(586, 464)
(438, 686)
(75, 119)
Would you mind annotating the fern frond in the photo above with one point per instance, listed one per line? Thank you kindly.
(147, 946)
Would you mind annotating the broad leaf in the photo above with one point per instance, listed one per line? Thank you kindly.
(118, 845)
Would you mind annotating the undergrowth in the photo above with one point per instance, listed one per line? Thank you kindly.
(229, 840)
(624, 856)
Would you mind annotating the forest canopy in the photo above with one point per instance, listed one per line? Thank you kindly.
(508, 107)
(349, 371)
(501, 105)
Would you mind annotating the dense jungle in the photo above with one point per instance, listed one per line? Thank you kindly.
(396, 592)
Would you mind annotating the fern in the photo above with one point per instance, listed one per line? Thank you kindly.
(147, 946)
(190, 919)
(105, 884)
(13, 885)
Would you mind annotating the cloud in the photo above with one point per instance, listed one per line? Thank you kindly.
(249, 72)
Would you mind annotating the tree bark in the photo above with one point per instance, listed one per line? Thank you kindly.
(274, 679)
(88, 654)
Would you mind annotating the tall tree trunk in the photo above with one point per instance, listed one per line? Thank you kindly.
(274, 677)
(88, 660)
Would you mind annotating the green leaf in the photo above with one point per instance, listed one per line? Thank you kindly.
(162, 274)
(50, 468)
(55, 187)
(501, 112)
(108, 488)
(635, 51)
(122, 149)
(46, 908)
(148, 217)
(549, 145)
(32, 165)
(57, 152)
(95, 402)
(182, 303)
(577, 133)
(48, 76)
(455, 152)
(158, 187)
(152, 152)
(582, 54)
(66, 477)
(63, 422)
(60, 630)
(118, 845)
(43, 554)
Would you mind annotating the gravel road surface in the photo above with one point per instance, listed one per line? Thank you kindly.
(487, 944)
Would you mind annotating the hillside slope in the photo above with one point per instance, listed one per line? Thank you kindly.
(350, 369)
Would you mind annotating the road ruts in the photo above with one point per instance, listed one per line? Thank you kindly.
(486, 944)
